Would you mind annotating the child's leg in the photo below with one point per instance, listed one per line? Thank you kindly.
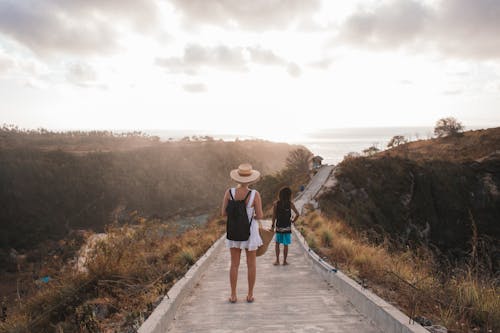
(233, 272)
(285, 254)
(277, 250)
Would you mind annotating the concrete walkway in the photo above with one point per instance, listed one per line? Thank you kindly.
(313, 187)
(291, 298)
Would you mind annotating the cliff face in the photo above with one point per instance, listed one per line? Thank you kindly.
(445, 202)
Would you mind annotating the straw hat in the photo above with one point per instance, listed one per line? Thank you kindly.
(244, 174)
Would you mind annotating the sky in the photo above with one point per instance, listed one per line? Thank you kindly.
(251, 67)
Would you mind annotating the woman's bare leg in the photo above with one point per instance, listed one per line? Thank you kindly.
(285, 254)
(252, 272)
(277, 250)
(233, 271)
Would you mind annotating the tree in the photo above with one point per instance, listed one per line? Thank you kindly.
(351, 155)
(371, 151)
(298, 161)
(447, 126)
(396, 141)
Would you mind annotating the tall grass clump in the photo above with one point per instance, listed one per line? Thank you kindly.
(462, 300)
(185, 257)
(125, 276)
(326, 236)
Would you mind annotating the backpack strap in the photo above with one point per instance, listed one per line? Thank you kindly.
(252, 197)
(246, 196)
(231, 190)
(231, 193)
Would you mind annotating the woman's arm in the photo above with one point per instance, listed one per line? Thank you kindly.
(257, 203)
(224, 203)
(295, 211)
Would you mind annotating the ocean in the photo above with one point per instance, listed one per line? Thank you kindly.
(331, 144)
(334, 144)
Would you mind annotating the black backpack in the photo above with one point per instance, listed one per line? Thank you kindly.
(283, 216)
(237, 226)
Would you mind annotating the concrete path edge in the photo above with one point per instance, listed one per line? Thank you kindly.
(385, 316)
(164, 313)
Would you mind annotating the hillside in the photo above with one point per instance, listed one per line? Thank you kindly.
(46, 191)
(441, 192)
(469, 146)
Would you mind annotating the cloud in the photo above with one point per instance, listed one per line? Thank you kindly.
(6, 63)
(389, 24)
(265, 57)
(194, 87)
(195, 57)
(81, 74)
(235, 59)
(294, 70)
(461, 28)
(76, 26)
(324, 63)
(470, 28)
(256, 15)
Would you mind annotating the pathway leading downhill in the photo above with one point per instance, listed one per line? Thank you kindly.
(289, 298)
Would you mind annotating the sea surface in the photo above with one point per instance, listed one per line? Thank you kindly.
(331, 144)
(334, 144)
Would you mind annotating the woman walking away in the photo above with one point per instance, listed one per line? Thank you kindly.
(242, 206)
(282, 214)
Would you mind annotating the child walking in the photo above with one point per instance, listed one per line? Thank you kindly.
(282, 219)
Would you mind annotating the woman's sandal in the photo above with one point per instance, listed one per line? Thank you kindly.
(233, 299)
(250, 299)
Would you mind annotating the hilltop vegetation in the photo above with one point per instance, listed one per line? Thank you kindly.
(442, 192)
(52, 183)
(463, 147)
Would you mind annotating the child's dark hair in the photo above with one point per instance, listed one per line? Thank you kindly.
(285, 196)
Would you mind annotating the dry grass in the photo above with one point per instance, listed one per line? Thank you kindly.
(461, 301)
(470, 145)
(127, 275)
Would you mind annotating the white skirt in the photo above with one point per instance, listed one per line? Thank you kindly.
(252, 243)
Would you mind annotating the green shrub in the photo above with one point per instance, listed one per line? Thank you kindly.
(311, 241)
(326, 236)
(185, 257)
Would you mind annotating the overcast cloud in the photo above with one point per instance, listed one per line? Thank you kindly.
(460, 28)
(76, 26)
(226, 58)
(81, 74)
(194, 87)
(337, 60)
(255, 15)
(5, 63)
